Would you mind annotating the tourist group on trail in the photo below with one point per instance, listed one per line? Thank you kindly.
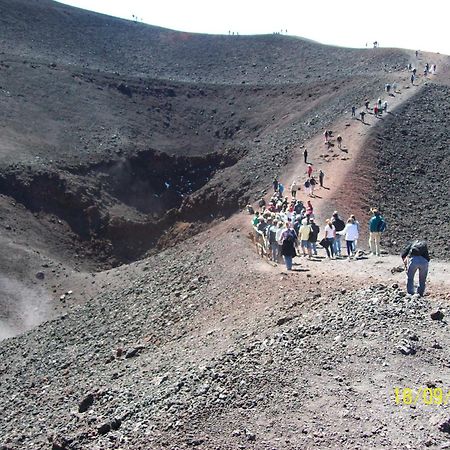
(286, 226)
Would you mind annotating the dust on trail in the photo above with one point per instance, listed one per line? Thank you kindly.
(21, 307)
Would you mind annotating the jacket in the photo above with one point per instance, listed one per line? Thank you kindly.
(416, 248)
(375, 223)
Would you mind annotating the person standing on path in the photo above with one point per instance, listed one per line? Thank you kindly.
(350, 232)
(309, 171)
(339, 225)
(330, 233)
(376, 227)
(312, 186)
(289, 240)
(353, 111)
(326, 135)
(358, 226)
(362, 114)
(315, 230)
(416, 258)
(294, 188)
(275, 184)
(272, 239)
(304, 234)
(305, 156)
(321, 177)
(339, 141)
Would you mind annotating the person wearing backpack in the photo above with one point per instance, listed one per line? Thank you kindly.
(289, 239)
(416, 258)
(376, 226)
(338, 225)
(272, 238)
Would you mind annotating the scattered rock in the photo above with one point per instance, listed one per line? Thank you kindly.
(86, 403)
(437, 315)
(283, 320)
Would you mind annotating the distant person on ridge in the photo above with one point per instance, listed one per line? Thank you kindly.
(416, 258)
(305, 156)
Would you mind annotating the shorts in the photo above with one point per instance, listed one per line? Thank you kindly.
(306, 244)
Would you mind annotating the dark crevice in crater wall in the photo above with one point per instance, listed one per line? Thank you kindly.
(125, 206)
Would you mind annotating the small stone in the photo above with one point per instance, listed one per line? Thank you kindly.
(250, 436)
(132, 352)
(283, 320)
(86, 403)
(104, 429)
(437, 315)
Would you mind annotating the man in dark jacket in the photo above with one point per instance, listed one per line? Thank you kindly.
(416, 258)
(313, 235)
(339, 225)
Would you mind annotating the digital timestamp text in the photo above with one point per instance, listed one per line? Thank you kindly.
(421, 395)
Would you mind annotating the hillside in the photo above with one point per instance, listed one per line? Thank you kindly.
(134, 310)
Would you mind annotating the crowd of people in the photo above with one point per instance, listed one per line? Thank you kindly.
(286, 228)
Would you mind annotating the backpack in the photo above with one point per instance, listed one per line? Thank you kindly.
(339, 224)
(272, 235)
(307, 184)
(382, 226)
(418, 248)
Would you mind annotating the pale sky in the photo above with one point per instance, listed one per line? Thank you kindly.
(349, 23)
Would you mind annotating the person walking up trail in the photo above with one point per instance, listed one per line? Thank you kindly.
(294, 189)
(305, 156)
(416, 258)
(321, 177)
(376, 226)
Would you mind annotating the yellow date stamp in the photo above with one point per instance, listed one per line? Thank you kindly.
(421, 395)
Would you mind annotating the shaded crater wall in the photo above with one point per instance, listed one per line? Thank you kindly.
(125, 206)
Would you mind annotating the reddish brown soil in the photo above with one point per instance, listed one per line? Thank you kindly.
(202, 343)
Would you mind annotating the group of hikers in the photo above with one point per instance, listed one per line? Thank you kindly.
(288, 228)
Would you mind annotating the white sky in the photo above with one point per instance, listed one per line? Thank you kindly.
(351, 23)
